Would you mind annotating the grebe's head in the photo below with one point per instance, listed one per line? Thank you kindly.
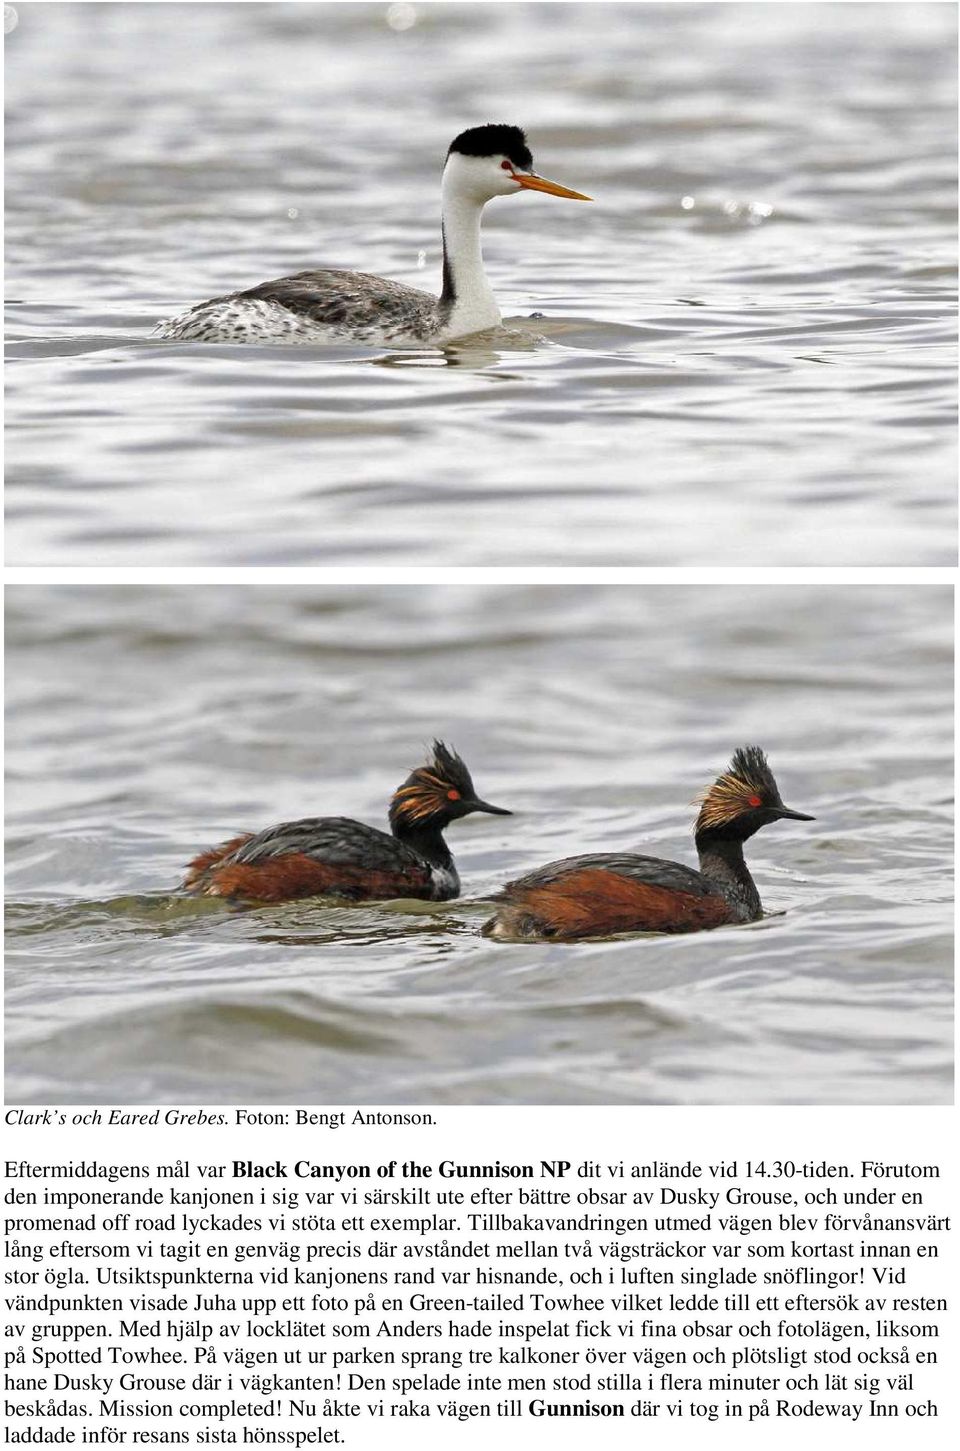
(489, 161)
(743, 799)
(437, 793)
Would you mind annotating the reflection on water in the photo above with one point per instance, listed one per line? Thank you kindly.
(747, 341)
(595, 714)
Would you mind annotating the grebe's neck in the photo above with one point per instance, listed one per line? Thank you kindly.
(722, 863)
(428, 843)
(466, 302)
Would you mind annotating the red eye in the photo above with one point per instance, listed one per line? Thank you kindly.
(453, 795)
(505, 166)
(755, 801)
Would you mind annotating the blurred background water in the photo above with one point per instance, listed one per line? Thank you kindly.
(145, 724)
(747, 346)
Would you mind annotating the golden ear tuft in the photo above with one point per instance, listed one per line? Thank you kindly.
(725, 800)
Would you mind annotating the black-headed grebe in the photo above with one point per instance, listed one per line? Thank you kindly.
(333, 856)
(330, 304)
(598, 895)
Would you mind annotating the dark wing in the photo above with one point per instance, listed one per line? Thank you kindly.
(599, 895)
(650, 869)
(336, 297)
(337, 840)
(318, 856)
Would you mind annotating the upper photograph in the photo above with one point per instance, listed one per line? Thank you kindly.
(481, 284)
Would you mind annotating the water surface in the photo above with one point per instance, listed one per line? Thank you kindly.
(144, 725)
(746, 350)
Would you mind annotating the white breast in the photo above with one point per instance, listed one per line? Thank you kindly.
(446, 882)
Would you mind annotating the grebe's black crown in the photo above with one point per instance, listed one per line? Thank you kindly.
(744, 798)
(493, 140)
(450, 769)
(438, 793)
(749, 765)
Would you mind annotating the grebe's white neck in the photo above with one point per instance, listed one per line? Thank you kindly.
(467, 302)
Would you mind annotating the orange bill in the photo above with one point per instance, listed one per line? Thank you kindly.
(532, 182)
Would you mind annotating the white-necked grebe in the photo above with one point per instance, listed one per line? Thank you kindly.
(329, 304)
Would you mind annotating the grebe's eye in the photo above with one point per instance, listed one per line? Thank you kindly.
(453, 795)
(505, 166)
(755, 801)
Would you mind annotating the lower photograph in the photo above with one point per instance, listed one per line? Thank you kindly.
(479, 845)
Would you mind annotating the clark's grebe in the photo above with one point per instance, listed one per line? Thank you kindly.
(328, 304)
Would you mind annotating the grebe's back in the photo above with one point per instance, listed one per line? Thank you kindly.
(322, 305)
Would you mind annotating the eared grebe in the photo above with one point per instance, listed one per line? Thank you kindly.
(332, 856)
(595, 896)
(330, 304)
